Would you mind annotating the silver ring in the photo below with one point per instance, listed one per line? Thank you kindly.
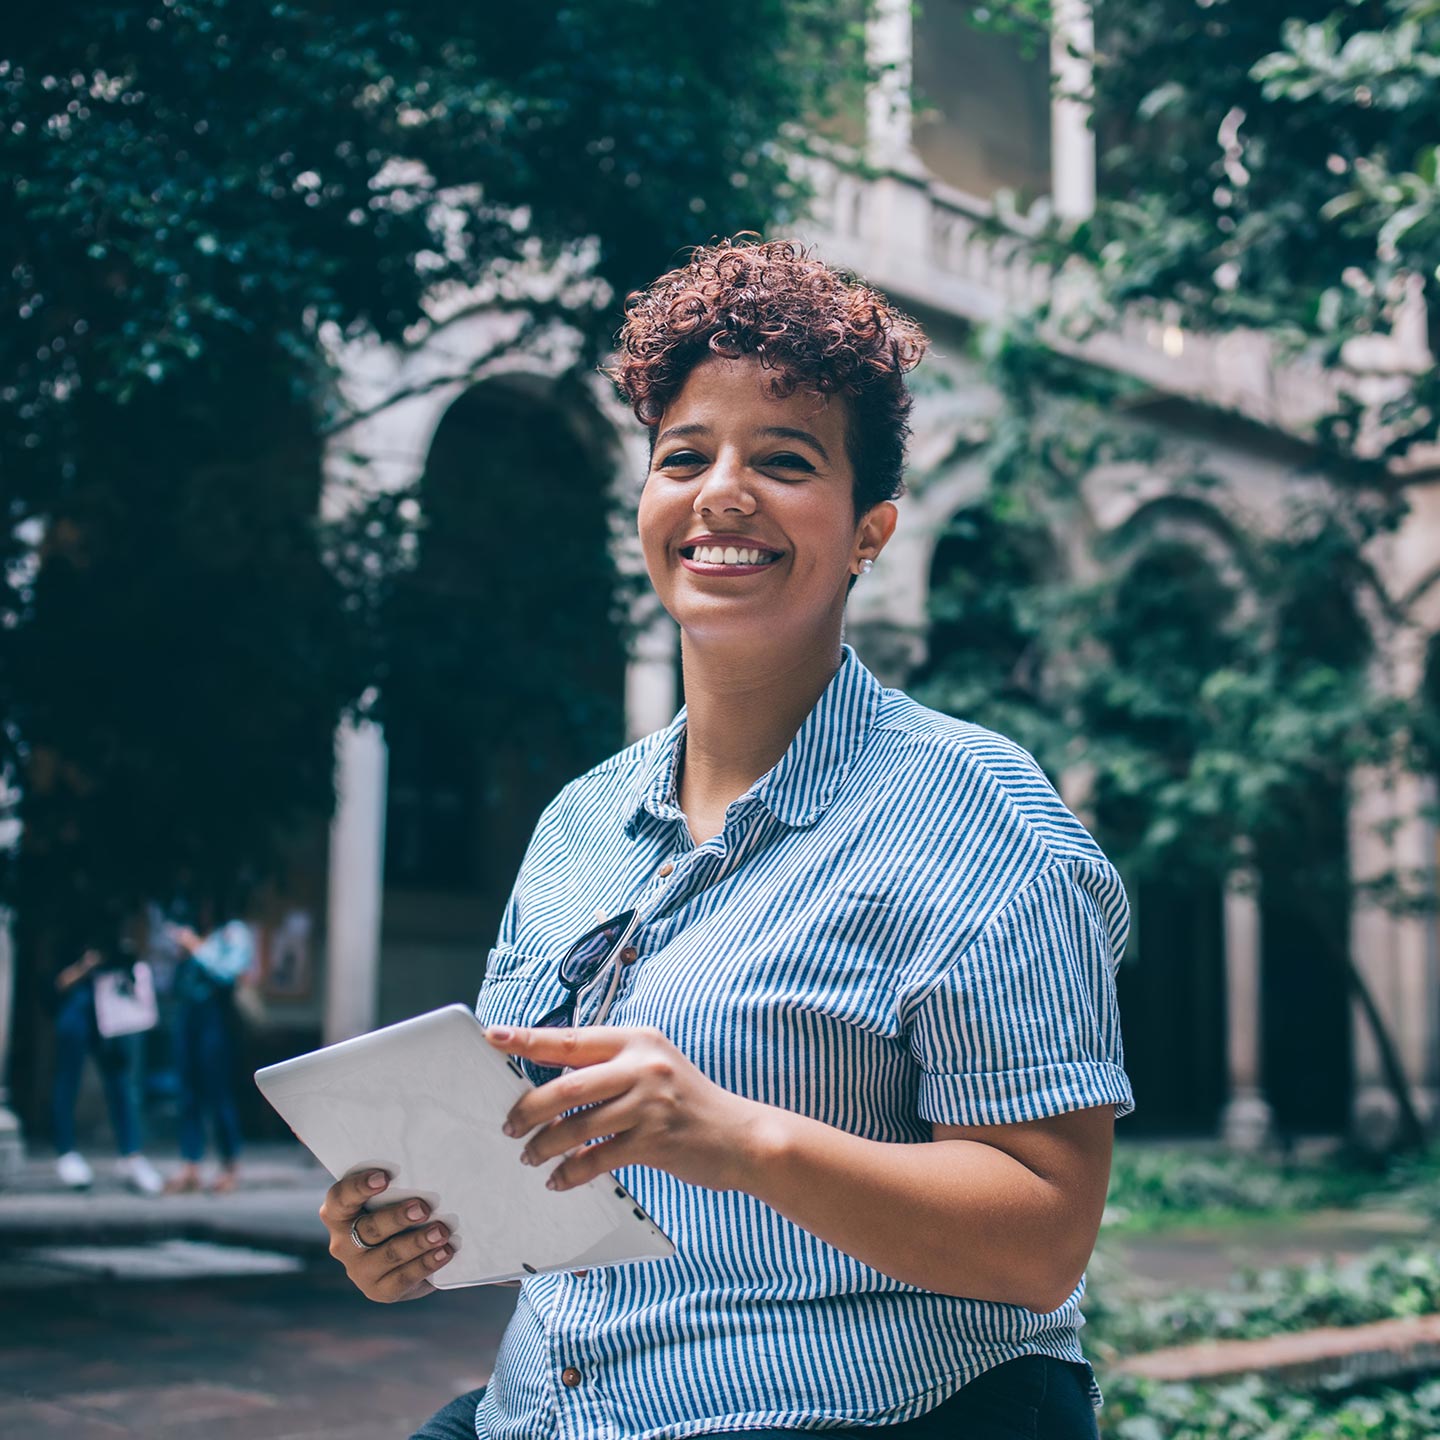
(359, 1243)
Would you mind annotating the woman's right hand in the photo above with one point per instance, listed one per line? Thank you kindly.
(404, 1251)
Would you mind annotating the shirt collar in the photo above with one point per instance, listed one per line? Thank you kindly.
(805, 780)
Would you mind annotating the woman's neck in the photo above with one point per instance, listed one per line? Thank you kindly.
(741, 716)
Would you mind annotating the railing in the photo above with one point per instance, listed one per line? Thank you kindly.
(927, 244)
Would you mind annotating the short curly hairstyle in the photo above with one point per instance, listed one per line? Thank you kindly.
(815, 327)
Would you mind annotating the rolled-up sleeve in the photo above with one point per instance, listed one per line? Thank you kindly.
(1023, 1022)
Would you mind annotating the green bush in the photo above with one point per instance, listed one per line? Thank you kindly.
(1250, 1410)
(1149, 1184)
(1389, 1283)
(1157, 1186)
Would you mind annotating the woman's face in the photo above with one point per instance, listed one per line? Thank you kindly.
(747, 518)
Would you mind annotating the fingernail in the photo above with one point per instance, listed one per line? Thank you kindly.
(377, 1180)
(443, 1254)
(434, 1235)
(415, 1212)
(552, 1183)
(500, 1032)
(510, 1128)
(526, 1158)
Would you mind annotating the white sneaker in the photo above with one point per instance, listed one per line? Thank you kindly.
(139, 1174)
(74, 1170)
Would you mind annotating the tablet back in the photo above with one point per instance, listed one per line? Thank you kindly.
(424, 1100)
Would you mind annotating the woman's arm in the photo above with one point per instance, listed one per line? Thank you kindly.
(997, 1212)
(72, 975)
(1001, 1212)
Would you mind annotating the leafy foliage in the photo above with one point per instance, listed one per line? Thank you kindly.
(1154, 1187)
(1150, 1184)
(1271, 166)
(1211, 683)
(202, 199)
(1252, 1410)
(1263, 166)
(1389, 1283)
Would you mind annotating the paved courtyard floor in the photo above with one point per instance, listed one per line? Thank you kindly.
(295, 1354)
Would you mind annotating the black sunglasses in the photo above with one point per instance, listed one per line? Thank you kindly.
(583, 961)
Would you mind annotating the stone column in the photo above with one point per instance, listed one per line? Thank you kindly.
(12, 1145)
(888, 109)
(1072, 141)
(650, 699)
(1247, 1118)
(357, 864)
(1391, 841)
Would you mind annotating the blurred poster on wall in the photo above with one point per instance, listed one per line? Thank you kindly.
(286, 958)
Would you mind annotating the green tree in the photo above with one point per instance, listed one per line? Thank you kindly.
(200, 196)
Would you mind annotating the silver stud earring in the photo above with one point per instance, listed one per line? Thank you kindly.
(866, 566)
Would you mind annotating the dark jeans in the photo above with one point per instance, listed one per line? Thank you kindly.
(1032, 1398)
(205, 1060)
(76, 1038)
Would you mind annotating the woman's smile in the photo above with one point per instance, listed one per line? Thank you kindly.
(727, 555)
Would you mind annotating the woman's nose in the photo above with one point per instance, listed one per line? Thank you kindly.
(724, 488)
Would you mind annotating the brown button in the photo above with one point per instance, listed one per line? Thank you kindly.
(571, 1376)
(629, 955)
(666, 869)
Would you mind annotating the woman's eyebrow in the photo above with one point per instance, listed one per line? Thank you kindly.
(679, 432)
(785, 432)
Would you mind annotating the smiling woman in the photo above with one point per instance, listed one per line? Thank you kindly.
(849, 1034)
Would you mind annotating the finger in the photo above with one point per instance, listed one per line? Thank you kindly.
(547, 1102)
(412, 1279)
(346, 1198)
(375, 1227)
(398, 1251)
(594, 1160)
(598, 1123)
(570, 1046)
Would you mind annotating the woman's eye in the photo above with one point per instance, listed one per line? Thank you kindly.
(680, 459)
(788, 462)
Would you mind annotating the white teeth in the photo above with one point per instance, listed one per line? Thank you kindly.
(731, 555)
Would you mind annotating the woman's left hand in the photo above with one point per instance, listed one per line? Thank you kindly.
(638, 1096)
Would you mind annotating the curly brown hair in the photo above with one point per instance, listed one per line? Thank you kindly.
(813, 326)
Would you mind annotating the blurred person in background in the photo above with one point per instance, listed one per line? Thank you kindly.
(212, 964)
(119, 1057)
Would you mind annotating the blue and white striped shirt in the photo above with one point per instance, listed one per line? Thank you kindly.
(899, 924)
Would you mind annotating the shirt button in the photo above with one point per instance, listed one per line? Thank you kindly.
(666, 869)
(629, 955)
(571, 1376)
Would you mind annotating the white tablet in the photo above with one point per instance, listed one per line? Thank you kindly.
(424, 1101)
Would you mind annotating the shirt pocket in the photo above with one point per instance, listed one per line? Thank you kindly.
(508, 994)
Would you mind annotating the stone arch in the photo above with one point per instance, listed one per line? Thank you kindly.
(888, 614)
(507, 664)
(1184, 522)
(979, 659)
(1178, 586)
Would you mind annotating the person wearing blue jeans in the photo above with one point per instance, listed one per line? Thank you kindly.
(205, 1051)
(77, 1037)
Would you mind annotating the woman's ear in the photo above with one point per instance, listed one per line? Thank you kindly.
(875, 529)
